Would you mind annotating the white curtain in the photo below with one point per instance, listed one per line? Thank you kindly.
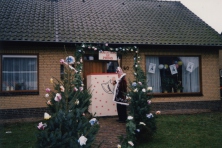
(190, 80)
(19, 72)
(153, 79)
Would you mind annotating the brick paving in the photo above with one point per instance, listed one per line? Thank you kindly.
(108, 133)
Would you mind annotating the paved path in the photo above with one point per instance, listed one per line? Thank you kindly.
(108, 133)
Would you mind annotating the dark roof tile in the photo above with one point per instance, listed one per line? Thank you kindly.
(100, 21)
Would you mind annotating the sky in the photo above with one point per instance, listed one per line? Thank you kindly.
(210, 11)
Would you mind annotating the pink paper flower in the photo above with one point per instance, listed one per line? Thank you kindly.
(81, 88)
(42, 126)
(58, 97)
(62, 88)
(47, 90)
(62, 61)
(75, 89)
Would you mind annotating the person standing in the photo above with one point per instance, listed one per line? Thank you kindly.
(120, 96)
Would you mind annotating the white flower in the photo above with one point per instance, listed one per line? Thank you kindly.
(138, 130)
(81, 88)
(46, 116)
(135, 74)
(47, 95)
(131, 143)
(142, 123)
(92, 121)
(149, 88)
(140, 83)
(143, 90)
(58, 97)
(82, 140)
(118, 146)
(77, 102)
(129, 117)
(135, 90)
(136, 65)
(62, 88)
(150, 115)
(149, 101)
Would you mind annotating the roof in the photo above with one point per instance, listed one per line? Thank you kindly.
(104, 21)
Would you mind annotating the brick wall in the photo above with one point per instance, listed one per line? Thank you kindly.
(49, 66)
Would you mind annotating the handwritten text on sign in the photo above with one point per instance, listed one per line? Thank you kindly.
(107, 55)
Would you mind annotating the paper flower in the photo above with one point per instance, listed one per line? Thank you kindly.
(47, 95)
(142, 123)
(135, 90)
(140, 83)
(131, 143)
(47, 90)
(46, 116)
(149, 88)
(134, 84)
(143, 90)
(118, 146)
(149, 101)
(62, 61)
(51, 80)
(70, 60)
(82, 140)
(136, 65)
(77, 102)
(58, 97)
(62, 88)
(49, 102)
(42, 126)
(75, 89)
(138, 130)
(80, 88)
(129, 117)
(158, 112)
(92, 121)
(150, 115)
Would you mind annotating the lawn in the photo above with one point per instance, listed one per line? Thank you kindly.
(174, 131)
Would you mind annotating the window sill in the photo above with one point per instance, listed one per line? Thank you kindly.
(17, 93)
(181, 94)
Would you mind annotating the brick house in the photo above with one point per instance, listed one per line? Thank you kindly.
(178, 49)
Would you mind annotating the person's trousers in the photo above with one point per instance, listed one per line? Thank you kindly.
(122, 112)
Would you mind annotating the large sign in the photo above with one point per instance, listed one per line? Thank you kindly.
(107, 55)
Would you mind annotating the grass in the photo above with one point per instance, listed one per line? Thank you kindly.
(174, 131)
(187, 131)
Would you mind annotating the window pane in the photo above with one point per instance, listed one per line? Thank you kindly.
(173, 74)
(19, 73)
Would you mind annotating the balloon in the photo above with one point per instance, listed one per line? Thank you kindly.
(180, 63)
(161, 66)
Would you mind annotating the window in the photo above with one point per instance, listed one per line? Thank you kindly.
(171, 74)
(19, 73)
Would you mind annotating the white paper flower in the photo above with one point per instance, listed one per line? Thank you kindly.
(131, 143)
(77, 102)
(82, 140)
(62, 88)
(134, 84)
(140, 83)
(118, 146)
(142, 123)
(149, 101)
(47, 95)
(129, 117)
(138, 130)
(143, 90)
(92, 121)
(149, 88)
(135, 90)
(46, 116)
(58, 97)
(150, 115)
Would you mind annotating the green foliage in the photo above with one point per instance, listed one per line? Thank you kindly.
(68, 104)
(141, 122)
